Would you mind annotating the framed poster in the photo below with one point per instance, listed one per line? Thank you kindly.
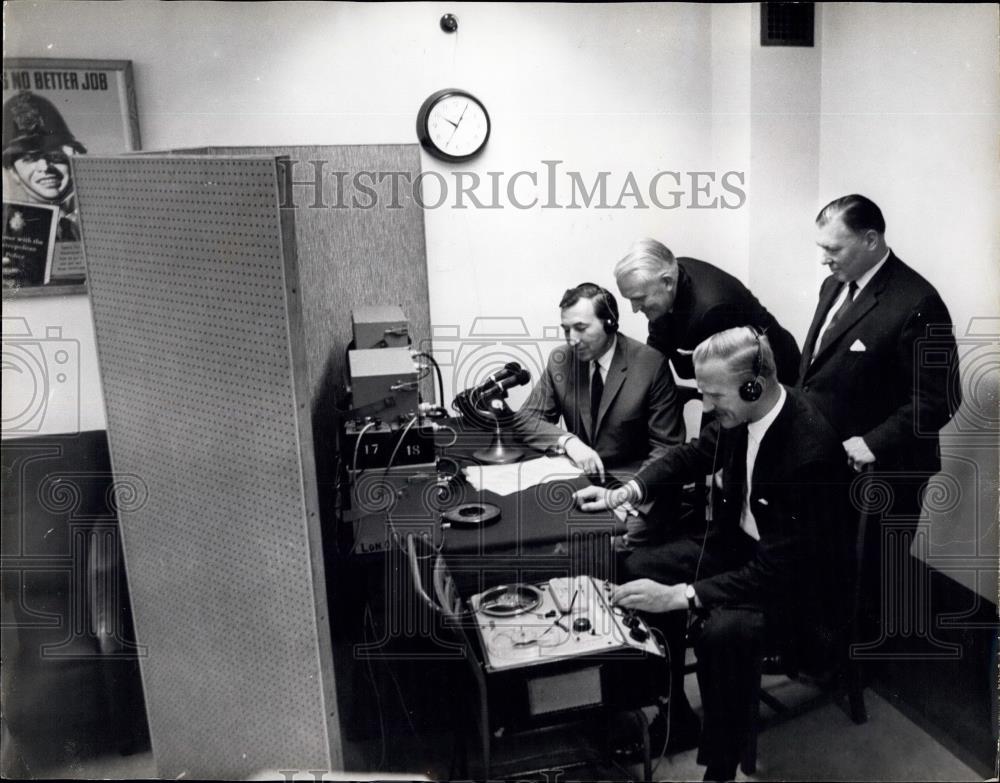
(54, 109)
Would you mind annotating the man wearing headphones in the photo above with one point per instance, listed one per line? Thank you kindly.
(616, 396)
(778, 489)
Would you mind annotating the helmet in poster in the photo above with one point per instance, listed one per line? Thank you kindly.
(32, 123)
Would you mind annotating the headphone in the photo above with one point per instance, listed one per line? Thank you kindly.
(605, 307)
(753, 389)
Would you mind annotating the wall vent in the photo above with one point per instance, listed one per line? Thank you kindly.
(787, 24)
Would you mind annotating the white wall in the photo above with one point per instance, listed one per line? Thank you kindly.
(51, 382)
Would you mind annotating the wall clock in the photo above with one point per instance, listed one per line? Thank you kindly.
(453, 125)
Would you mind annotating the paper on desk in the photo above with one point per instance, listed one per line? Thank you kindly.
(508, 479)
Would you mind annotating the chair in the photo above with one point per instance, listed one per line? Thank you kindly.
(845, 680)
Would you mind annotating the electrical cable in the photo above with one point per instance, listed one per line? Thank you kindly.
(665, 702)
(402, 702)
(399, 442)
(708, 521)
(440, 378)
(454, 435)
(371, 677)
(357, 446)
(418, 585)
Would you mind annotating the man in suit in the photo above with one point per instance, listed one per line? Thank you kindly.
(779, 489)
(615, 396)
(687, 301)
(880, 362)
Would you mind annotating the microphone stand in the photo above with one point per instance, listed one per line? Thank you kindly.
(498, 452)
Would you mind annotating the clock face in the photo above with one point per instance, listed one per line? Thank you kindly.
(453, 125)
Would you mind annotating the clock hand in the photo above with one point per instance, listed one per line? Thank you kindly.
(452, 135)
(456, 124)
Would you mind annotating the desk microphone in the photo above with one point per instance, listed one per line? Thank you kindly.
(493, 390)
(509, 376)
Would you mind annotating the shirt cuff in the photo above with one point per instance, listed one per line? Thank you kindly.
(635, 491)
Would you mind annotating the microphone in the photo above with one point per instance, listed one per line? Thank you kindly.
(505, 378)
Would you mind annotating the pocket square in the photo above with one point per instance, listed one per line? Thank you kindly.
(763, 502)
(857, 346)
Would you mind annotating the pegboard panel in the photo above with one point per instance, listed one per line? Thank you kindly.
(356, 246)
(193, 281)
(361, 242)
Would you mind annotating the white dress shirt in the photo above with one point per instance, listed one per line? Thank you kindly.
(604, 362)
(755, 434)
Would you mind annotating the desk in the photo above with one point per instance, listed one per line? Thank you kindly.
(540, 533)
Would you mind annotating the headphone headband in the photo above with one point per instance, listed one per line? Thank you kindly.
(605, 306)
(752, 390)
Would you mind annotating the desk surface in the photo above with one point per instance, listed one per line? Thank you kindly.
(540, 517)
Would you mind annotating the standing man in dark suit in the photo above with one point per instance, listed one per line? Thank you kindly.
(616, 396)
(778, 489)
(880, 362)
(687, 301)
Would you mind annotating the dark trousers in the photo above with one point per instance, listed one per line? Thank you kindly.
(728, 642)
(894, 503)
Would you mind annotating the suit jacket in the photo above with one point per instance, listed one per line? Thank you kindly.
(799, 501)
(708, 301)
(889, 371)
(640, 416)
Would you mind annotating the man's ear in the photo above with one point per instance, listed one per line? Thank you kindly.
(871, 239)
(668, 281)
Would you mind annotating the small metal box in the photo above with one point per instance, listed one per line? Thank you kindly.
(386, 379)
(381, 326)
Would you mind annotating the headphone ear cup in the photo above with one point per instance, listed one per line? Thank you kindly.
(751, 390)
(610, 325)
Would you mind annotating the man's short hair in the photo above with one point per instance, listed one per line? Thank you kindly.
(858, 213)
(605, 304)
(647, 258)
(738, 348)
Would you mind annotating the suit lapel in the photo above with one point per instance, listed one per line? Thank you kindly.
(867, 299)
(617, 372)
(828, 293)
(770, 454)
(734, 471)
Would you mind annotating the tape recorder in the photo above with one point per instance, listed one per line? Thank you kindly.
(524, 625)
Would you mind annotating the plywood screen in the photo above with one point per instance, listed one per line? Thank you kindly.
(354, 248)
(193, 280)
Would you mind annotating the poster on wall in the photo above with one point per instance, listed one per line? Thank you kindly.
(52, 110)
(29, 236)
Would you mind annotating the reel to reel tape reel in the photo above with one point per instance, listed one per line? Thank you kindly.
(510, 600)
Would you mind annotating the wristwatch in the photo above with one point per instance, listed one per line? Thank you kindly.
(689, 594)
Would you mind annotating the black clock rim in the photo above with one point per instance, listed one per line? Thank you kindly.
(424, 137)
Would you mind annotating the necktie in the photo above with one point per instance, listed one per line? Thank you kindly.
(852, 289)
(596, 390)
